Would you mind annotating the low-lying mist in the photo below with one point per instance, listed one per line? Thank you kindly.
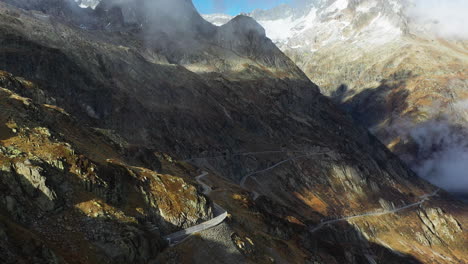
(438, 148)
(444, 155)
(448, 18)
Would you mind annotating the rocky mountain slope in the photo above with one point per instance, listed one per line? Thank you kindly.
(106, 121)
(70, 194)
(395, 72)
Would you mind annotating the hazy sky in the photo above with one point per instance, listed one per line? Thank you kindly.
(234, 7)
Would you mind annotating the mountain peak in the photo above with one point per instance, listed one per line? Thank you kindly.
(168, 16)
(243, 24)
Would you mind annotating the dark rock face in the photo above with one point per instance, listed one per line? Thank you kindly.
(244, 35)
(203, 94)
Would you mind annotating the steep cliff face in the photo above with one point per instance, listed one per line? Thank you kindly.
(231, 103)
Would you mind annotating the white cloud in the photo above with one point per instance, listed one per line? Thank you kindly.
(448, 18)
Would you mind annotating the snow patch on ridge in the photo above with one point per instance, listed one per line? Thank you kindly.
(217, 19)
(337, 6)
(88, 3)
(366, 6)
(281, 30)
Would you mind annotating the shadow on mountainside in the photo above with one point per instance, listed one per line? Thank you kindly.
(434, 145)
(5, 111)
(372, 106)
(282, 200)
(281, 222)
(5, 132)
(346, 244)
(65, 80)
(239, 240)
(339, 243)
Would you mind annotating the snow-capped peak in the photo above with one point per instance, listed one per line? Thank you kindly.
(88, 3)
(337, 6)
(317, 23)
(217, 19)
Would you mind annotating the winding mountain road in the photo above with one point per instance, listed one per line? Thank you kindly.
(219, 213)
(256, 195)
(396, 210)
(206, 189)
(250, 153)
